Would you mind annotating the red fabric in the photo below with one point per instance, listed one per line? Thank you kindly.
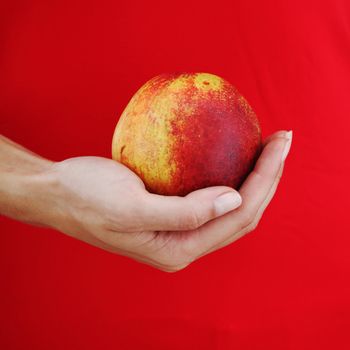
(68, 68)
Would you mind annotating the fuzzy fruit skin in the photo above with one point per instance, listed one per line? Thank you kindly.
(185, 131)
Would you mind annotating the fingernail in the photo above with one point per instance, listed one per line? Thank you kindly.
(289, 137)
(227, 202)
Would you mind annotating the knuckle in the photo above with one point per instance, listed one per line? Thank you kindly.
(174, 262)
(278, 175)
(247, 218)
(173, 268)
(191, 220)
(253, 225)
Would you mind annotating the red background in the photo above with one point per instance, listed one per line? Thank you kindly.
(68, 68)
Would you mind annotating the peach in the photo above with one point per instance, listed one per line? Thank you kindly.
(184, 131)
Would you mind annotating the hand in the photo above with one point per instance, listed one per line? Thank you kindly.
(102, 202)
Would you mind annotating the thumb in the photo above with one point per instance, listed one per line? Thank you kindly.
(173, 213)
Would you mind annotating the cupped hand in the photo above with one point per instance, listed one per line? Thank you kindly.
(102, 202)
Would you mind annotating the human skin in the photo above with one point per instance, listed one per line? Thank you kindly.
(103, 203)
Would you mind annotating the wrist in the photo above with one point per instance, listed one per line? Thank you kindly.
(29, 186)
(39, 190)
(26, 192)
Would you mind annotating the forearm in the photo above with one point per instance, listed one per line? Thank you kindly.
(22, 183)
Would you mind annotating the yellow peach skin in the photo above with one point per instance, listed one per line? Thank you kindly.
(185, 131)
